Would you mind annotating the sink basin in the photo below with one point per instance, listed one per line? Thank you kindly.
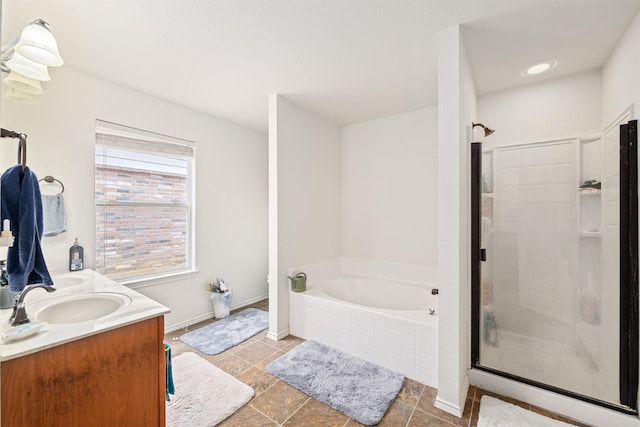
(79, 308)
(66, 281)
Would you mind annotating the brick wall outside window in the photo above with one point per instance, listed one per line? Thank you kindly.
(140, 240)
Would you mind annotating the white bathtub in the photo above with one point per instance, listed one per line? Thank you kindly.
(383, 321)
(380, 293)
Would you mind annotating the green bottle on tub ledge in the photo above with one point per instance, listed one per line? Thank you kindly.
(76, 257)
(299, 282)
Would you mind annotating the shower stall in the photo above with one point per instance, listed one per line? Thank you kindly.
(554, 264)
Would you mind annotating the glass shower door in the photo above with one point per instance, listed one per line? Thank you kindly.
(546, 298)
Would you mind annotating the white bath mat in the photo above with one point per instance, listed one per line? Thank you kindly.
(496, 413)
(205, 395)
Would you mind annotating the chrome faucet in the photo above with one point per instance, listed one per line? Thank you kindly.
(19, 315)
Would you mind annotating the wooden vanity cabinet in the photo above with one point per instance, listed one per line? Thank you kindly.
(114, 378)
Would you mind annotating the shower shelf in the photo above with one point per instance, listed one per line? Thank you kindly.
(586, 233)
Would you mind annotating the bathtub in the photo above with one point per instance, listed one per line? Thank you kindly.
(385, 322)
(380, 293)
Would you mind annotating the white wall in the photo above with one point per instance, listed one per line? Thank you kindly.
(390, 188)
(231, 182)
(621, 76)
(467, 114)
(304, 199)
(553, 108)
(456, 111)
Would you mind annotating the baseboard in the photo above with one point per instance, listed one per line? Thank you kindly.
(209, 315)
(187, 323)
(278, 337)
(249, 301)
(448, 407)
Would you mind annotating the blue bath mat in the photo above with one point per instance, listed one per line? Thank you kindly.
(227, 332)
(361, 390)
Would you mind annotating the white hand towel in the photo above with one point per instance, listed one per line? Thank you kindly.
(54, 214)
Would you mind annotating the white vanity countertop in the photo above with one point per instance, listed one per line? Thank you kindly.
(70, 284)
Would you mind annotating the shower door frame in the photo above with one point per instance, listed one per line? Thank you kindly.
(629, 317)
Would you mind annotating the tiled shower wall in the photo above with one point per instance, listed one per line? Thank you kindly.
(533, 224)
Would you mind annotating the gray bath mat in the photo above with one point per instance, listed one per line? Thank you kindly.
(205, 395)
(227, 332)
(359, 389)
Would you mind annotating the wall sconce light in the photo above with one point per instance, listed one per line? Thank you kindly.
(24, 84)
(26, 59)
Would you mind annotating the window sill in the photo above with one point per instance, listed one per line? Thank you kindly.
(144, 282)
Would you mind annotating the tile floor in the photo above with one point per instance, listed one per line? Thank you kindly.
(278, 404)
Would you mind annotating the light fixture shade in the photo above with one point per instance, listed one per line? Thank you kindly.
(33, 70)
(23, 84)
(38, 44)
(16, 95)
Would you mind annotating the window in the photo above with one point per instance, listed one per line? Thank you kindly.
(143, 197)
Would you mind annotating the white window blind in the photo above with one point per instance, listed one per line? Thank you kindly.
(143, 197)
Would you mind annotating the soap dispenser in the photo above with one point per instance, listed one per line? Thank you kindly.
(6, 296)
(76, 257)
(4, 278)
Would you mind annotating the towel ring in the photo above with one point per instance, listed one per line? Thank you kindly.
(51, 180)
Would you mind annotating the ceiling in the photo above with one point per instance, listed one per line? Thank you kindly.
(348, 61)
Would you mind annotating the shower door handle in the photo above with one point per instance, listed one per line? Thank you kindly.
(483, 254)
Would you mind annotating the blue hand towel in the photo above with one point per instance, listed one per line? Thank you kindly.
(54, 214)
(170, 388)
(21, 203)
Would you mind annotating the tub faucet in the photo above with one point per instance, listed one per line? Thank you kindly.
(19, 315)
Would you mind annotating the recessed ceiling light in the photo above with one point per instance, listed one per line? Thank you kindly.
(539, 68)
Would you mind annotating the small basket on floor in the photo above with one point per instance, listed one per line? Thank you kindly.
(221, 303)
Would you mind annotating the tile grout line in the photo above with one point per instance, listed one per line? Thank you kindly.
(254, 364)
(473, 404)
(242, 372)
(414, 407)
(296, 411)
(448, 423)
(249, 403)
(263, 414)
(265, 390)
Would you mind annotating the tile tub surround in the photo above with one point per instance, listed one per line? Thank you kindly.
(408, 345)
(277, 404)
